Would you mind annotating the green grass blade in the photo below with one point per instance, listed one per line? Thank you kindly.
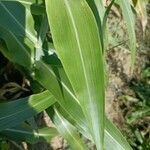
(75, 33)
(104, 27)
(98, 10)
(18, 19)
(15, 112)
(73, 111)
(130, 23)
(17, 29)
(67, 130)
(114, 140)
(27, 134)
(16, 51)
(53, 78)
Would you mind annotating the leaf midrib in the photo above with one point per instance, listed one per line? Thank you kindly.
(80, 49)
(64, 124)
(1, 118)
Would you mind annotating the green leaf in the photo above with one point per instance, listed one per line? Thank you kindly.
(130, 23)
(114, 140)
(53, 78)
(77, 43)
(27, 134)
(16, 51)
(98, 10)
(14, 112)
(104, 26)
(67, 130)
(36, 6)
(18, 31)
(18, 19)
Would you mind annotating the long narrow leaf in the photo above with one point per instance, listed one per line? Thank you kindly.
(67, 130)
(46, 76)
(130, 23)
(75, 34)
(27, 134)
(114, 140)
(53, 78)
(15, 112)
(18, 19)
(98, 10)
(15, 46)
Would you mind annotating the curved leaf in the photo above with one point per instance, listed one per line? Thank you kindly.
(67, 130)
(75, 33)
(18, 19)
(14, 112)
(27, 134)
(53, 78)
(73, 113)
(16, 51)
(130, 23)
(114, 140)
(17, 29)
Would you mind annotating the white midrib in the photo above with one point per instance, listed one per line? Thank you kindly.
(65, 126)
(63, 84)
(81, 56)
(31, 37)
(79, 46)
(27, 132)
(113, 138)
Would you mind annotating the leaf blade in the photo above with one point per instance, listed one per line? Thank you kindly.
(15, 112)
(130, 23)
(83, 42)
(27, 134)
(67, 130)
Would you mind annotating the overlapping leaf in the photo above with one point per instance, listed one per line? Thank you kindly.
(27, 134)
(67, 130)
(58, 82)
(14, 112)
(75, 34)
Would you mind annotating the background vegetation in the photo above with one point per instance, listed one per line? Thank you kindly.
(57, 60)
